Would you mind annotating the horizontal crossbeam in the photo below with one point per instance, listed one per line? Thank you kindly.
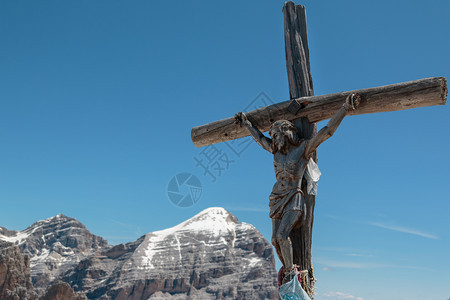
(401, 96)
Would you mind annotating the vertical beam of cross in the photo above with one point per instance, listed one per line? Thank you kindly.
(300, 85)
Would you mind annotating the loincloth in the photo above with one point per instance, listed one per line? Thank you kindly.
(288, 200)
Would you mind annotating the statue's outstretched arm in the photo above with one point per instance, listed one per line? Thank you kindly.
(326, 132)
(256, 134)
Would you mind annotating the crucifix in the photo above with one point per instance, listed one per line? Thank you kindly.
(294, 138)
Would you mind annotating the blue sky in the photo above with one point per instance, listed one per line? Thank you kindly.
(98, 99)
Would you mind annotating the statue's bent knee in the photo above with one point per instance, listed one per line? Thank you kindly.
(282, 238)
(274, 241)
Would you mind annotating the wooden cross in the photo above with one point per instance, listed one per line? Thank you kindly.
(304, 110)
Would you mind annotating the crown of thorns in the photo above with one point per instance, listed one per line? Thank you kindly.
(283, 125)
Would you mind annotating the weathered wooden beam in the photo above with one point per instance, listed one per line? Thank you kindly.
(300, 85)
(406, 95)
(297, 51)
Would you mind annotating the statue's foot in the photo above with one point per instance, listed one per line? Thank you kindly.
(289, 274)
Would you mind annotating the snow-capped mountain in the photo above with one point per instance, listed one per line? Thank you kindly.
(210, 256)
(54, 246)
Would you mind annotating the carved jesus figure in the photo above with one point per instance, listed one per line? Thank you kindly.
(290, 158)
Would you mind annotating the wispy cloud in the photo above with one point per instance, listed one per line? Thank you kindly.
(350, 264)
(404, 230)
(330, 264)
(354, 252)
(358, 255)
(341, 295)
(389, 227)
(123, 224)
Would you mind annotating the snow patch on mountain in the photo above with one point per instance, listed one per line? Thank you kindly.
(205, 256)
(16, 239)
(212, 225)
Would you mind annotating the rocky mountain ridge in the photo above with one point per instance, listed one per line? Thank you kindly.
(15, 280)
(54, 246)
(210, 256)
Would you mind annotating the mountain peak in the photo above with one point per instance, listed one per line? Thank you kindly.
(57, 218)
(209, 254)
(214, 214)
(211, 219)
(213, 230)
(54, 245)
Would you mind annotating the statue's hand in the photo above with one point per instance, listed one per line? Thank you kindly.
(241, 119)
(352, 101)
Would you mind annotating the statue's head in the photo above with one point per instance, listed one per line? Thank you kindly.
(284, 135)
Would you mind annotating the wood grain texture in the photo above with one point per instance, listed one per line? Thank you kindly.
(401, 96)
(297, 51)
(300, 85)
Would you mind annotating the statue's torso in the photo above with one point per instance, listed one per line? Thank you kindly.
(289, 168)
